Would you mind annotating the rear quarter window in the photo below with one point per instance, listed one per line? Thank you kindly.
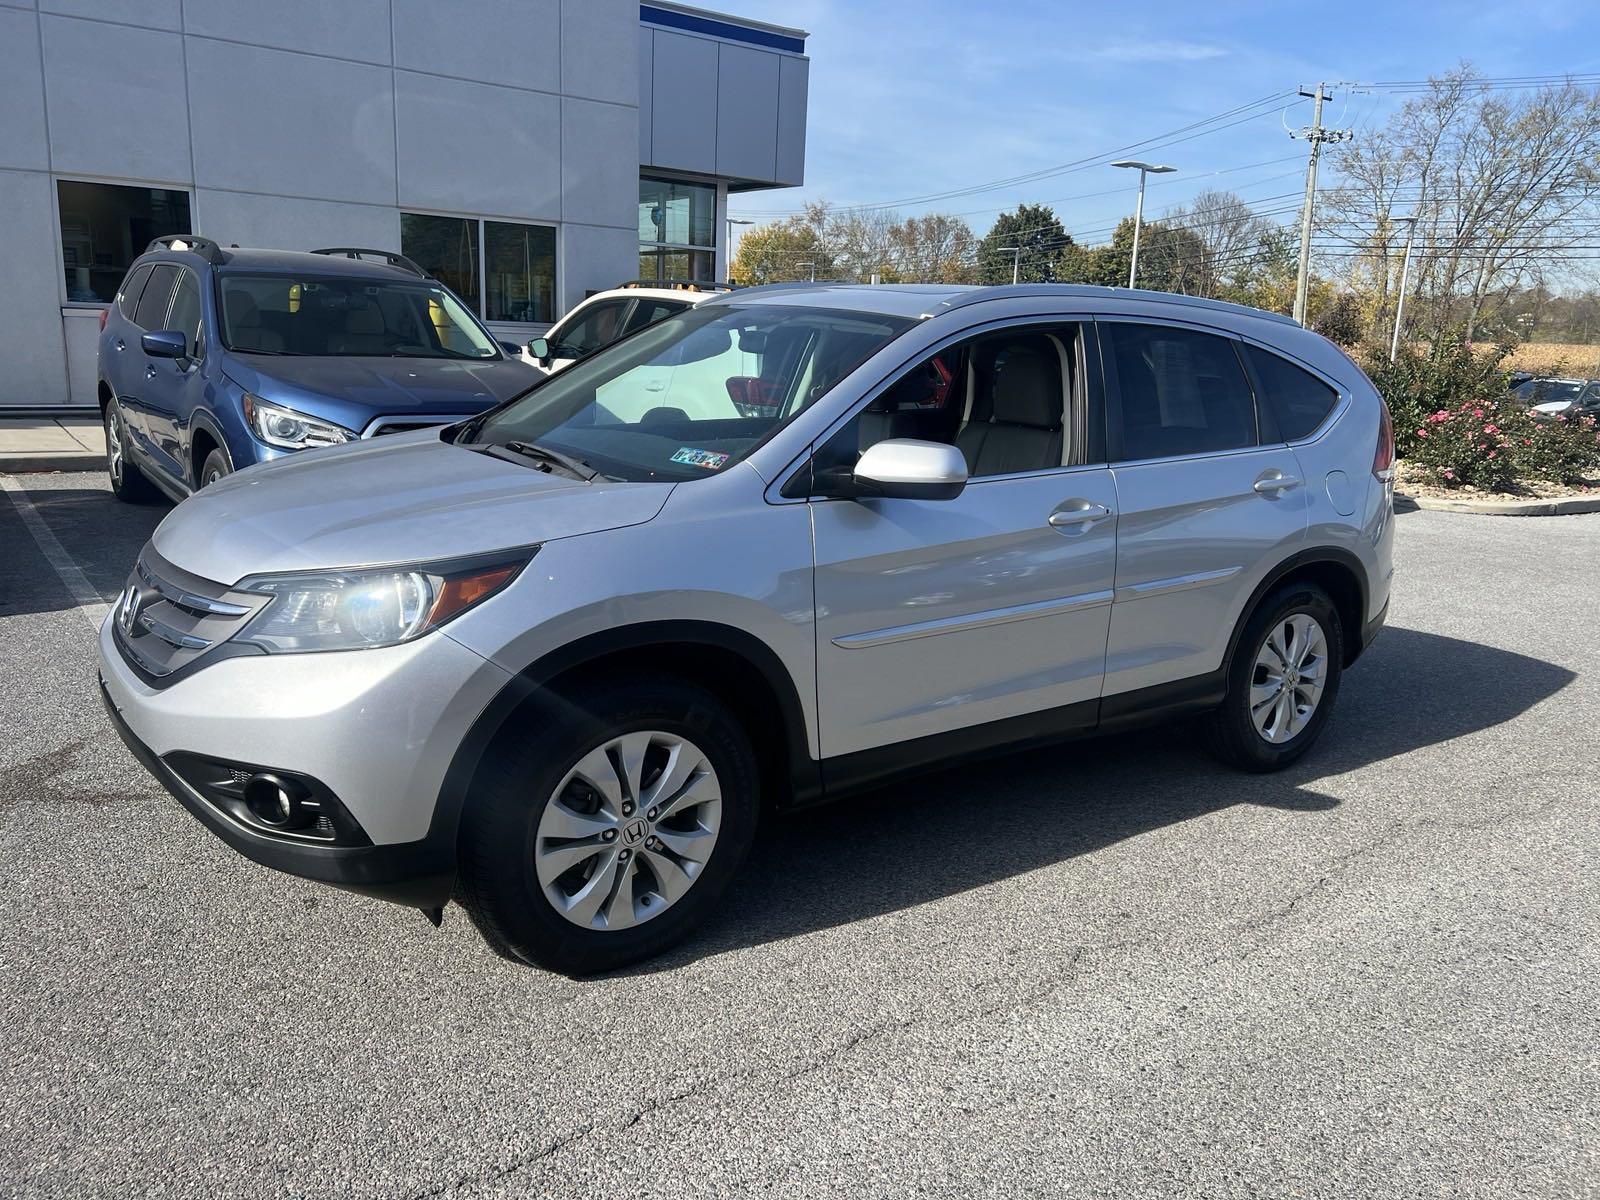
(128, 297)
(1297, 399)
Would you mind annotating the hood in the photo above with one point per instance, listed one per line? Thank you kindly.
(398, 499)
(352, 391)
(1553, 406)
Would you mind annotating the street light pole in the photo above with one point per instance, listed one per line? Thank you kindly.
(813, 267)
(732, 221)
(1144, 169)
(1405, 277)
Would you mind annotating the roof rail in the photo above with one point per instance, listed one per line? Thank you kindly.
(1002, 291)
(191, 242)
(678, 285)
(388, 256)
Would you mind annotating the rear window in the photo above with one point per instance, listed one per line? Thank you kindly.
(128, 297)
(1297, 399)
(152, 310)
(1182, 392)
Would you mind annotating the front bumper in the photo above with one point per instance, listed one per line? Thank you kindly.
(379, 728)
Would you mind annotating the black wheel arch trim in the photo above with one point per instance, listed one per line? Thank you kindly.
(1354, 639)
(802, 772)
(202, 419)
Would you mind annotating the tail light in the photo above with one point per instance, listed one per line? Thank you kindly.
(104, 313)
(1383, 457)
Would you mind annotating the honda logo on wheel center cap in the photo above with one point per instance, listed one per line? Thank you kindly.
(635, 831)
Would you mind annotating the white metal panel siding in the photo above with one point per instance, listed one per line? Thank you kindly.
(293, 125)
(357, 29)
(684, 103)
(510, 42)
(747, 112)
(23, 143)
(793, 85)
(599, 179)
(599, 42)
(32, 344)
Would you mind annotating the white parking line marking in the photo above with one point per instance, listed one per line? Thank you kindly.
(88, 600)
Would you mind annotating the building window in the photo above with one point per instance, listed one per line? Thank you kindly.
(520, 272)
(677, 229)
(104, 227)
(505, 271)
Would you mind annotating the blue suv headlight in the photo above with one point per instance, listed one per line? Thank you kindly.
(290, 430)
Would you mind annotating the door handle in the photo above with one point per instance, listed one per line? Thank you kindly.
(1273, 482)
(1077, 516)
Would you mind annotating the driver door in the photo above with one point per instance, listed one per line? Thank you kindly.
(935, 618)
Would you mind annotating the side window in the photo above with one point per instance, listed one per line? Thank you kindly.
(1181, 392)
(128, 297)
(1299, 401)
(152, 310)
(598, 325)
(1004, 399)
(648, 312)
(186, 311)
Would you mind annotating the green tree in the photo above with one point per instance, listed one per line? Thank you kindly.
(1040, 238)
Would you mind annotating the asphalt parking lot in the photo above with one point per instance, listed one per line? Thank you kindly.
(1114, 968)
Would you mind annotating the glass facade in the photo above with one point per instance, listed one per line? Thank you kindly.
(104, 227)
(506, 271)
(677, 229)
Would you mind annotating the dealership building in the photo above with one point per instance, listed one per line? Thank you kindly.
(527, 152)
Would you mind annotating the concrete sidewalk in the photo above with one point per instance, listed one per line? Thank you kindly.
(50, 444)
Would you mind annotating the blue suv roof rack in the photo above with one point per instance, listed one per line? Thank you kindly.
(388, 256)
(193, 243)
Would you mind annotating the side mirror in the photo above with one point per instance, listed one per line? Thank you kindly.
(539, 348)
(165, 343)
(907, 469)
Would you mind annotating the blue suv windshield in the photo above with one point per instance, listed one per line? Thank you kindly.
(327, 315)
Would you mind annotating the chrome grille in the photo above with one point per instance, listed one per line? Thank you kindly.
(406, 422)
(167, 618)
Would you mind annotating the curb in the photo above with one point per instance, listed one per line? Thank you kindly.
(1567, 507)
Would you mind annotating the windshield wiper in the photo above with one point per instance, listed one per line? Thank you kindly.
(573, 466)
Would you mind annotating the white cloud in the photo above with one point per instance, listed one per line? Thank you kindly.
(1158, 50)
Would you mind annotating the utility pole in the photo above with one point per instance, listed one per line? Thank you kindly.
(1016, 260)
(1405, 278)
(1316, 135)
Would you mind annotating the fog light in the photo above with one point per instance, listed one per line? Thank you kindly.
(276, 802)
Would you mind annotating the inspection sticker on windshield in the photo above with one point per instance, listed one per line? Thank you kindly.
(709, 459)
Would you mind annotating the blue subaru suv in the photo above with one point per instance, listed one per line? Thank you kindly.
(212, 359)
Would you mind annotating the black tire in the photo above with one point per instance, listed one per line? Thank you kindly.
(497, 882)
(214, 468)
(128, 482)
(1233, 734)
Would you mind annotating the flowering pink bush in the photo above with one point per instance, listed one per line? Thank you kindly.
(1471, 445)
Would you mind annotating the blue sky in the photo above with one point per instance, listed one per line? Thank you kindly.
(909, 98)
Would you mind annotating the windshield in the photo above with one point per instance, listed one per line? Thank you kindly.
(328, 315)
(694, 394)
(1544, 391)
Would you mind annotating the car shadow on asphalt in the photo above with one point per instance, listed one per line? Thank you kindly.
(101, 534)
(935, 836)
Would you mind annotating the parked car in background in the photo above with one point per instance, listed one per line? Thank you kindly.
(557, 664)
(606, 316)
(212, 359)
(1547, 397)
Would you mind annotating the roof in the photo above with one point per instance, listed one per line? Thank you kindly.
(672, 15)
(929, 299)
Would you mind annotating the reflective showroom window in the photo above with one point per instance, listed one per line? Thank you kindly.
(677, 229)
(104, 227)
(504, 270)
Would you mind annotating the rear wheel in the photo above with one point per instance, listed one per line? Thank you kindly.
(128, 482)
(609, 834)
(1283, 680)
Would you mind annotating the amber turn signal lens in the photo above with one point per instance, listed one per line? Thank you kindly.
(463, 591)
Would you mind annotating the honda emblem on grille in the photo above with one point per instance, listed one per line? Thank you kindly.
(133, 603)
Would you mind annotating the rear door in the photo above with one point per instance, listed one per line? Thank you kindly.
(140, 372)
(174, 387)
(119, 344)
(1207, 504)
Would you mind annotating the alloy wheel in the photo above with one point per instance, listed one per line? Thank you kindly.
(1289, 677)
(629, 830)
(114, 444)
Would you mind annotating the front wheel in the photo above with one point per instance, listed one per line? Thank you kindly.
(214, 468)
(609, 832)
(1283, 680)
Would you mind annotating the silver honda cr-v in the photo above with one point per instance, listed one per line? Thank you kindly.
(556, 661)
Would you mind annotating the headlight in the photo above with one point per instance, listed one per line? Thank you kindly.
(357, 610)
(289, 430)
